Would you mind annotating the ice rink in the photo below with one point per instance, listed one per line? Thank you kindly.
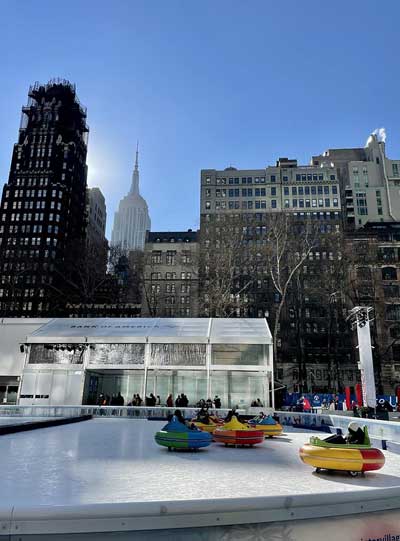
(117, 460)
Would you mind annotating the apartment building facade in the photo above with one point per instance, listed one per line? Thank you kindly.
(170, 282)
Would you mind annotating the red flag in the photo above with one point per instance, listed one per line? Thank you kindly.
(348, 398)
(359, 394)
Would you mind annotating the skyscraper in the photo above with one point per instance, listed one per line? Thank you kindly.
(132, 220)
(43, 207)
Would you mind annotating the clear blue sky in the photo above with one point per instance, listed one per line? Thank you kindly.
(204, 84)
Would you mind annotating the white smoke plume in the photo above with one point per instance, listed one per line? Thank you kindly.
(380, 133)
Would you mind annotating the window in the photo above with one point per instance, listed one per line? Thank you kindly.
(395, 168)
(332, 177)
(335, 202)
(208, 180)
(334, 190)
(171, 257)
(286, 203)
(273, 178)
(286, 190)
(156, 257)
(393, 312)
(273, 203)
(208, 205)
(327, 202)
(273, 191)
(392, 291)
(389, 273)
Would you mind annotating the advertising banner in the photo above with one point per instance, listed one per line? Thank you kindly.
(366, 365)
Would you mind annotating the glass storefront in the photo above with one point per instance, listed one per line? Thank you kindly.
(109, 383)
(237, 388)
(191, 382)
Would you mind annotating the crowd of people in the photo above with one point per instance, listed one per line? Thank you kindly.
(113, 400)
(181, 401)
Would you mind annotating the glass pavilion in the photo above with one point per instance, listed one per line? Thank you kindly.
(72, 361)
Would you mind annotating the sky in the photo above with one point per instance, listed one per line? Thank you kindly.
(204, 84)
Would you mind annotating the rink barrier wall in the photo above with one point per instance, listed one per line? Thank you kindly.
(134, 412)
(34, 425)
(165, 515)
(377, 429)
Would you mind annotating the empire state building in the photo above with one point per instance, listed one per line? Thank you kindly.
(132, 220)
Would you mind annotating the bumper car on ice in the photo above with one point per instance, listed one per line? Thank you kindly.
(236, 433)
(350, 457)
(176, 435)
(210, 427)
(268, 425)
(213, 423)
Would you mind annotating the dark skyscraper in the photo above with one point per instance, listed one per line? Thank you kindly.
(43, 207)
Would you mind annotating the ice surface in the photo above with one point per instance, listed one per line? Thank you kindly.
(117, 460)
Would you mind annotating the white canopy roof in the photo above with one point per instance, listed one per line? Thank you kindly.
(153, 330)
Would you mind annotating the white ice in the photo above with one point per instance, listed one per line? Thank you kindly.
(117, 460)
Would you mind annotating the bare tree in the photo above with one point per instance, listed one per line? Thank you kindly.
(289, 243)
(224, 268)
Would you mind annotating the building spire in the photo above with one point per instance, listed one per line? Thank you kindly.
(137, 156)
(135, 177)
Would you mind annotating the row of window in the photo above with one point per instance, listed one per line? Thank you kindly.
(37, 228)
(307, 203)
(156, 290)
(171, 276)
(272, 178)
(9, 254)
(38, 217)
(171, 288)
(25, 278)
(32, 292)
(37, 165)
(34, 241)
(311, 190)
(32, 181)
(261, 192)
(244, 192)
(33, 193)
(247, 205)
(170, 257)
(31, 205)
